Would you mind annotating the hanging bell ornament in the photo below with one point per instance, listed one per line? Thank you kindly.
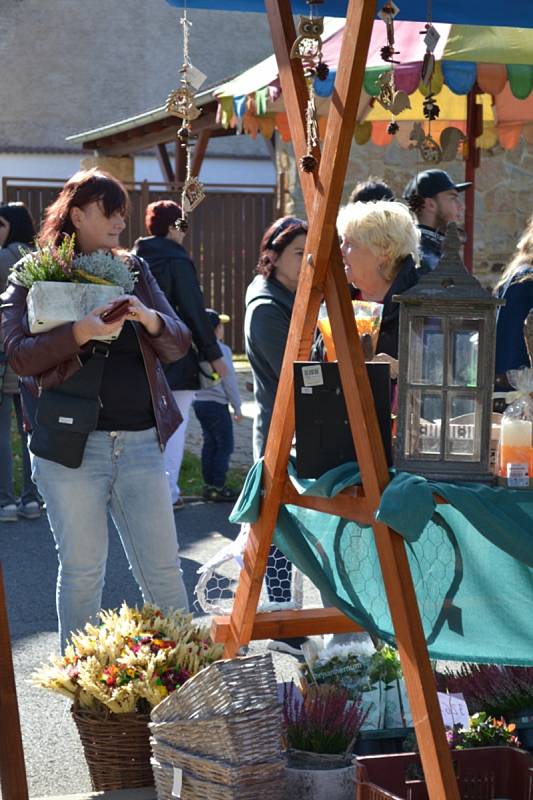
(430, 108)
(393, 128)
(183, 134)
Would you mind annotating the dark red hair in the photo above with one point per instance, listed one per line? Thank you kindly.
(160, 216)
(275, 239)
(86, 186)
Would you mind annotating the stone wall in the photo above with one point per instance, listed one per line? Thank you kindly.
(503, 201)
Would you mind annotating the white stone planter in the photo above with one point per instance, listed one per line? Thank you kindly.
(324, 782)
(52, 303)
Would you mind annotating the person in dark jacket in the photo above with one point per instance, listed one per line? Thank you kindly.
(516, 288)
(379, 247)
(122, 469)
(435, 200)
(16, 237)
(175, 273)
(269, 302)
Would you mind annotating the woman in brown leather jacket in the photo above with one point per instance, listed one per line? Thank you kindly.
(122, 470)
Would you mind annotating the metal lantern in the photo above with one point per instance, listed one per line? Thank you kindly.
(446, 372)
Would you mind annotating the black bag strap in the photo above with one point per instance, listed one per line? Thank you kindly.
(86, 381)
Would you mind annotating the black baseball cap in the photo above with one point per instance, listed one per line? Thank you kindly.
(432, 182)
(215, 318)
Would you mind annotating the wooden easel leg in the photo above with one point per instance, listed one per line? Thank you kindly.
(322, 196)
(12, 769)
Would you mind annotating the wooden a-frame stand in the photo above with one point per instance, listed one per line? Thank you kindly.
(322, 275)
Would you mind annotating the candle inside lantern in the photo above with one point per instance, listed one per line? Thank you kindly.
(516, 444)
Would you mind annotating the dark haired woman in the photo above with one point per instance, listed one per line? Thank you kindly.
(175, 273)
(122, 469)
(16, 237)
(269, 302)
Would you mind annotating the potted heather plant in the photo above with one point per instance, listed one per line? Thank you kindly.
(63, 285)
(319, 730)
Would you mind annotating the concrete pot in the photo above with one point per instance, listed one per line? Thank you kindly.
(314, 776)
(53, 303)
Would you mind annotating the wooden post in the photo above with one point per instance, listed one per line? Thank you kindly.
(474, 128)
(199, 152)
(164, 163)
(12, 769)
(180, 159)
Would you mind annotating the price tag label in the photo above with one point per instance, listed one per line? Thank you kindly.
(517, 476)
(312, 376)
(178, 781)
(454, 710)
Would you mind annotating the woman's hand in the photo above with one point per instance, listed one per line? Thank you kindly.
(384, 358)
(138, 312)
(93, 325)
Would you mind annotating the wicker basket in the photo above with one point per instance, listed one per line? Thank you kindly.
(194, 788)
(223, 688)
(247, 737)
(216, 770)
(116, 748)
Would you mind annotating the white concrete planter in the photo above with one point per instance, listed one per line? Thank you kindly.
(326, 781)
(52, 303)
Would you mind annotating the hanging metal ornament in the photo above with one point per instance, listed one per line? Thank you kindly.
(391, 99)
(180, 102)
(308, 48)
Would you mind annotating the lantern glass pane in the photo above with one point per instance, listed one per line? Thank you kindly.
(426, 351)
(464, 351)
(424, 413)
(463, 435)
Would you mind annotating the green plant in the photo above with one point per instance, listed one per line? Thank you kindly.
(129, 662)
(324, 721)
(62, 263)
(385, 665)
(484, 731)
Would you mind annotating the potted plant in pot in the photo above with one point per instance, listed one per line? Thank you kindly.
(115, 673)
(320, 729)
(65, 285)
(501, 691)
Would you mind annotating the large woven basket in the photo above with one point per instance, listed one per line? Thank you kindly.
(194, 788)
(244, 738)
(116, 748)
(223, 688)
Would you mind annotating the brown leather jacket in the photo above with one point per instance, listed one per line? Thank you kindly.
(47, 359)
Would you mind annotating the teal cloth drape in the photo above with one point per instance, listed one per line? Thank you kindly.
(471, 559)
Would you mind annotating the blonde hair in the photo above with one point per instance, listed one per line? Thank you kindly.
(522, 258)
(386, 227)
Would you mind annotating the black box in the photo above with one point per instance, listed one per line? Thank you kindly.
(323, 436)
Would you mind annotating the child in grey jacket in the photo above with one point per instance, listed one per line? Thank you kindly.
(211, 407)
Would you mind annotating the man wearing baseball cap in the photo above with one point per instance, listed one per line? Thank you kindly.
(434, 199)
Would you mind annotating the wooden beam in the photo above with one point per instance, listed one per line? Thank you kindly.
(164, 163)
(283, 624)
(351, 503)
(13, 783)
(180, 163)
(199, 152)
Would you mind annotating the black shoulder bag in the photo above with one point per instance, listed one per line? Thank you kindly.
(67, 414)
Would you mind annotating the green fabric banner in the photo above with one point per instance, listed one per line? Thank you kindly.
(471, 560)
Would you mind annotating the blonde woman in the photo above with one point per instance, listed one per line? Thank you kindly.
(379, 245)
(516, 288)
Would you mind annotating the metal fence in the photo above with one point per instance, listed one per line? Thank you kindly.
(223, 239)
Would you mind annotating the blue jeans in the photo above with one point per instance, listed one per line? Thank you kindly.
(122, 472)
(7, 492)
(217, 429)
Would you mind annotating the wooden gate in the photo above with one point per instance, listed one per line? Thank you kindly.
(223, 239)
